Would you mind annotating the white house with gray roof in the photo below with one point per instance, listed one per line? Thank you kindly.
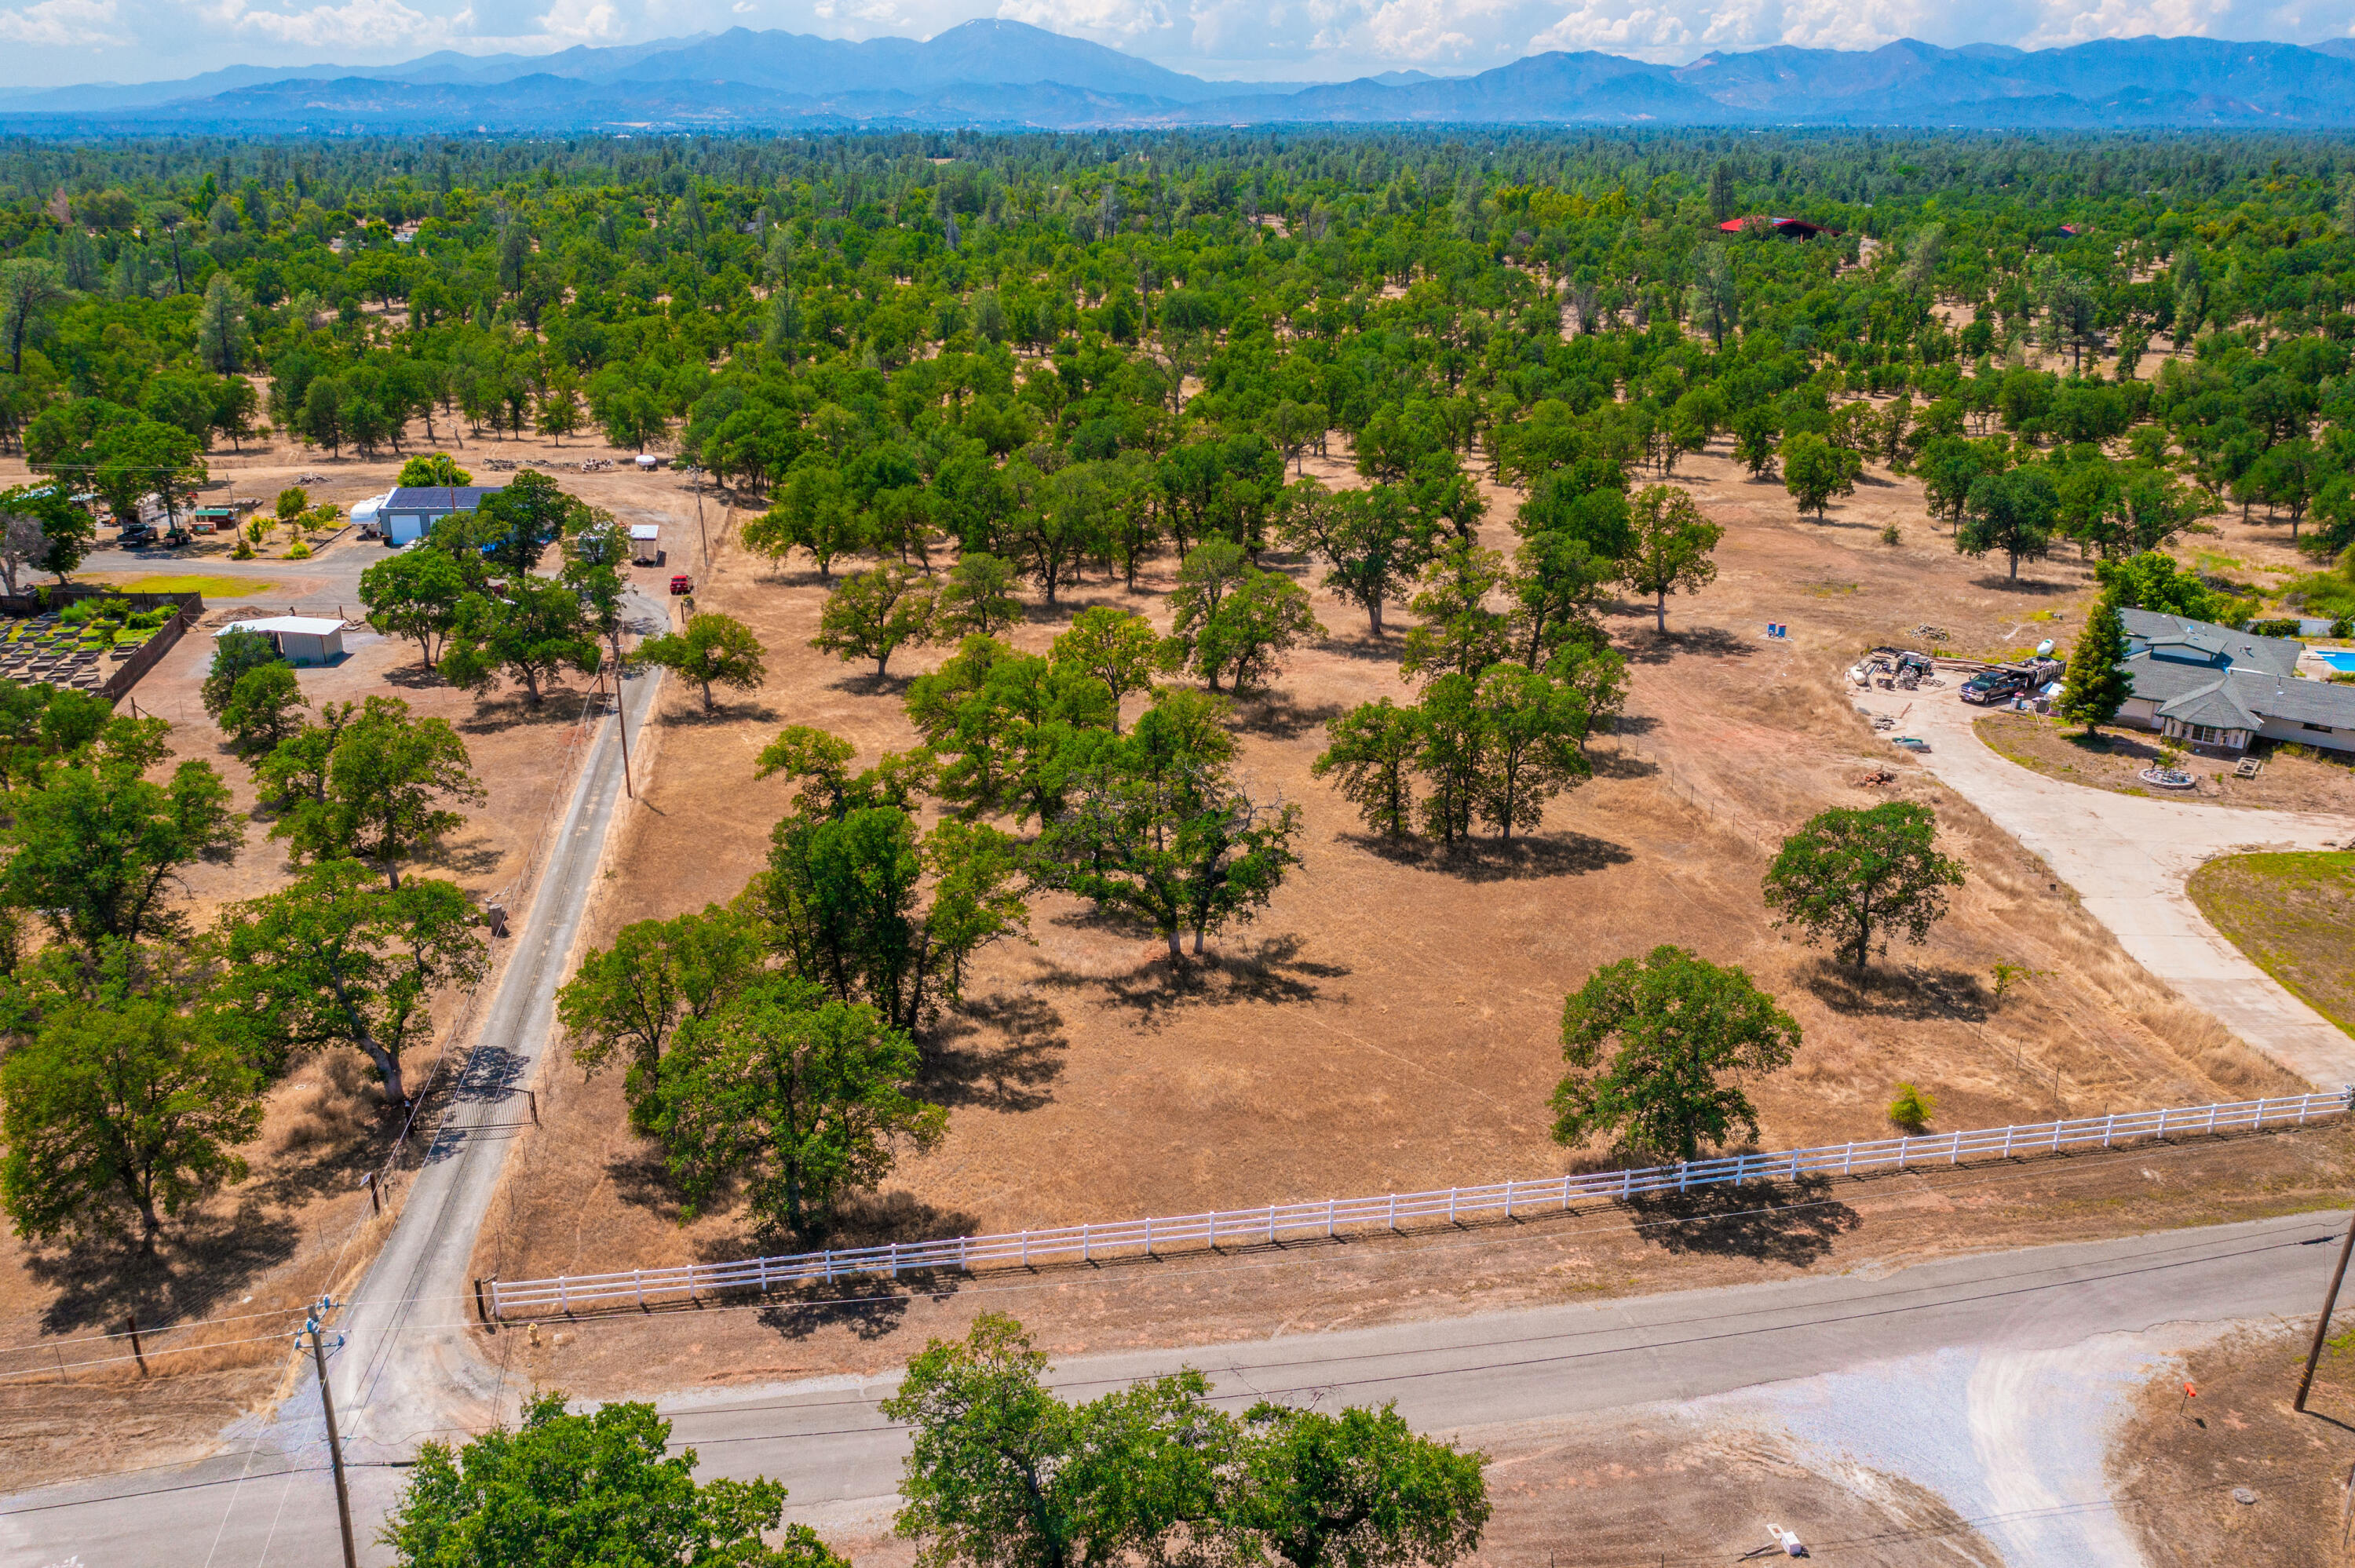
(2213, 688)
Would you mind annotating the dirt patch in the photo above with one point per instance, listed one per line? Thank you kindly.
(2112, 759)
(2183, 1466)
(2293, 916)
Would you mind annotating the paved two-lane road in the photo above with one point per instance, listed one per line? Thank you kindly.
(841, 1460)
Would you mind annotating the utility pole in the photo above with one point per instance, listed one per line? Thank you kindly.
(706, 567)
(335, 1442)
(622, 710)
(2322, 1327)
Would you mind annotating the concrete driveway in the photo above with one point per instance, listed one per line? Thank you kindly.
(2128, 856)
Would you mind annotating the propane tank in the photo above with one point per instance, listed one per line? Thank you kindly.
(2044, 649)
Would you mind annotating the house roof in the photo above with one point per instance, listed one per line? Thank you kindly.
(2216, 704)
(437, 497)
(302, 625)
(1779, 224)
(2203, 644)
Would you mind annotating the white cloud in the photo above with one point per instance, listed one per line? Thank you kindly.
(583, 21)
(1098, 19)
(370, 24)
(62, 23)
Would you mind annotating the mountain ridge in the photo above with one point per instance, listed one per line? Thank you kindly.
(996, 72)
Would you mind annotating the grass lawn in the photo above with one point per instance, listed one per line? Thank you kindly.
(2294, 915)
(211, 587)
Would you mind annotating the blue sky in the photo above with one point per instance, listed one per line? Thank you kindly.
(54, 42)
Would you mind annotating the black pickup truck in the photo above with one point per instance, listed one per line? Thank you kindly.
(1991, 686)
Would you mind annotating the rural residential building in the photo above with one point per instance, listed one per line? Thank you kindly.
(2222, 690)
(409, 511)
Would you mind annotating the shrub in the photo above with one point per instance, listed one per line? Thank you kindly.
(298, 551)
(1892, 534)
(1912, 1107)
(2273, 628)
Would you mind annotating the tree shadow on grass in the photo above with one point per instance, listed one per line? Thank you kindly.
(1911, 994)
(413, 678)
(999, 1051)
(1499, 860)
(1785, 1223)
(2037, 586)
(558, 706)
(867, 683)
(1237, 970)
(1278, 716)
(1656, 647)
(1364, 645)
(200, 1261)
(724, 711)
(1617, 763)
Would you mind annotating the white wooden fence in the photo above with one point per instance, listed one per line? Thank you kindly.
(498, 1299)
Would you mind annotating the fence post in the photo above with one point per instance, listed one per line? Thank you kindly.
(1271, 1225)
(563, 1303)
(2161, 1133)
(1848, 1158)
(762, 1263)
(963, 1268)
(1026, 1249)
(1393, 1212)
(1901, 1156)
(1627, 1183)
(1330, 1207)
(895, 1260)
(638, 1282)
(2109, 1127)
(1085, 1255)
(1148, 1235)
(1451, 1204)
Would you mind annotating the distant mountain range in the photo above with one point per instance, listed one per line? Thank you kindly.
(996, 73)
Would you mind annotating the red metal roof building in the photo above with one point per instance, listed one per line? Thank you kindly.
(1796, 228)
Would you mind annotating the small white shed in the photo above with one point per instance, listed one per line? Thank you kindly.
(645, 544)
(299, 639)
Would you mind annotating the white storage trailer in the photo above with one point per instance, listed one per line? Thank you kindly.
(645, 544)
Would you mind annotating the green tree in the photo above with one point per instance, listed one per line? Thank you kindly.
(1533, 745)
(714, 651)
(871, 615)
(1681, 1032)
(1814, 471)
(1352, 1489)
(2098, 683)
(262, 708)
(1458, 632)
(1231, 619)
(977, 598)
(1371, 751)
(222, 337)
(389, 781)
(1852, 877)
(1002, 1474)
(129, 1109)
(816, 511)
(1156, 829)
(94, 848)
(1117, 647)
(1015, 725)
(625, 1001)
(432, 469)
(45, 530)
(415, 594)
(568, 1490)
(236, 654)
(793, 1096)
(2010, 512)
(27, 287)
(339, 959)
(1671, 548)
(1371, 540)
(533, 633)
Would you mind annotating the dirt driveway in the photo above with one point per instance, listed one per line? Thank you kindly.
(2128, 858)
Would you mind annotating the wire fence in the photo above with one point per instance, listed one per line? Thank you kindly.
(641, 1289)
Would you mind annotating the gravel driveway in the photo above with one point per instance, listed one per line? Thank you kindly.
(2129, 857)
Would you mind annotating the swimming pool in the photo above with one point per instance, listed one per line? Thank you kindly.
(2340, 659)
